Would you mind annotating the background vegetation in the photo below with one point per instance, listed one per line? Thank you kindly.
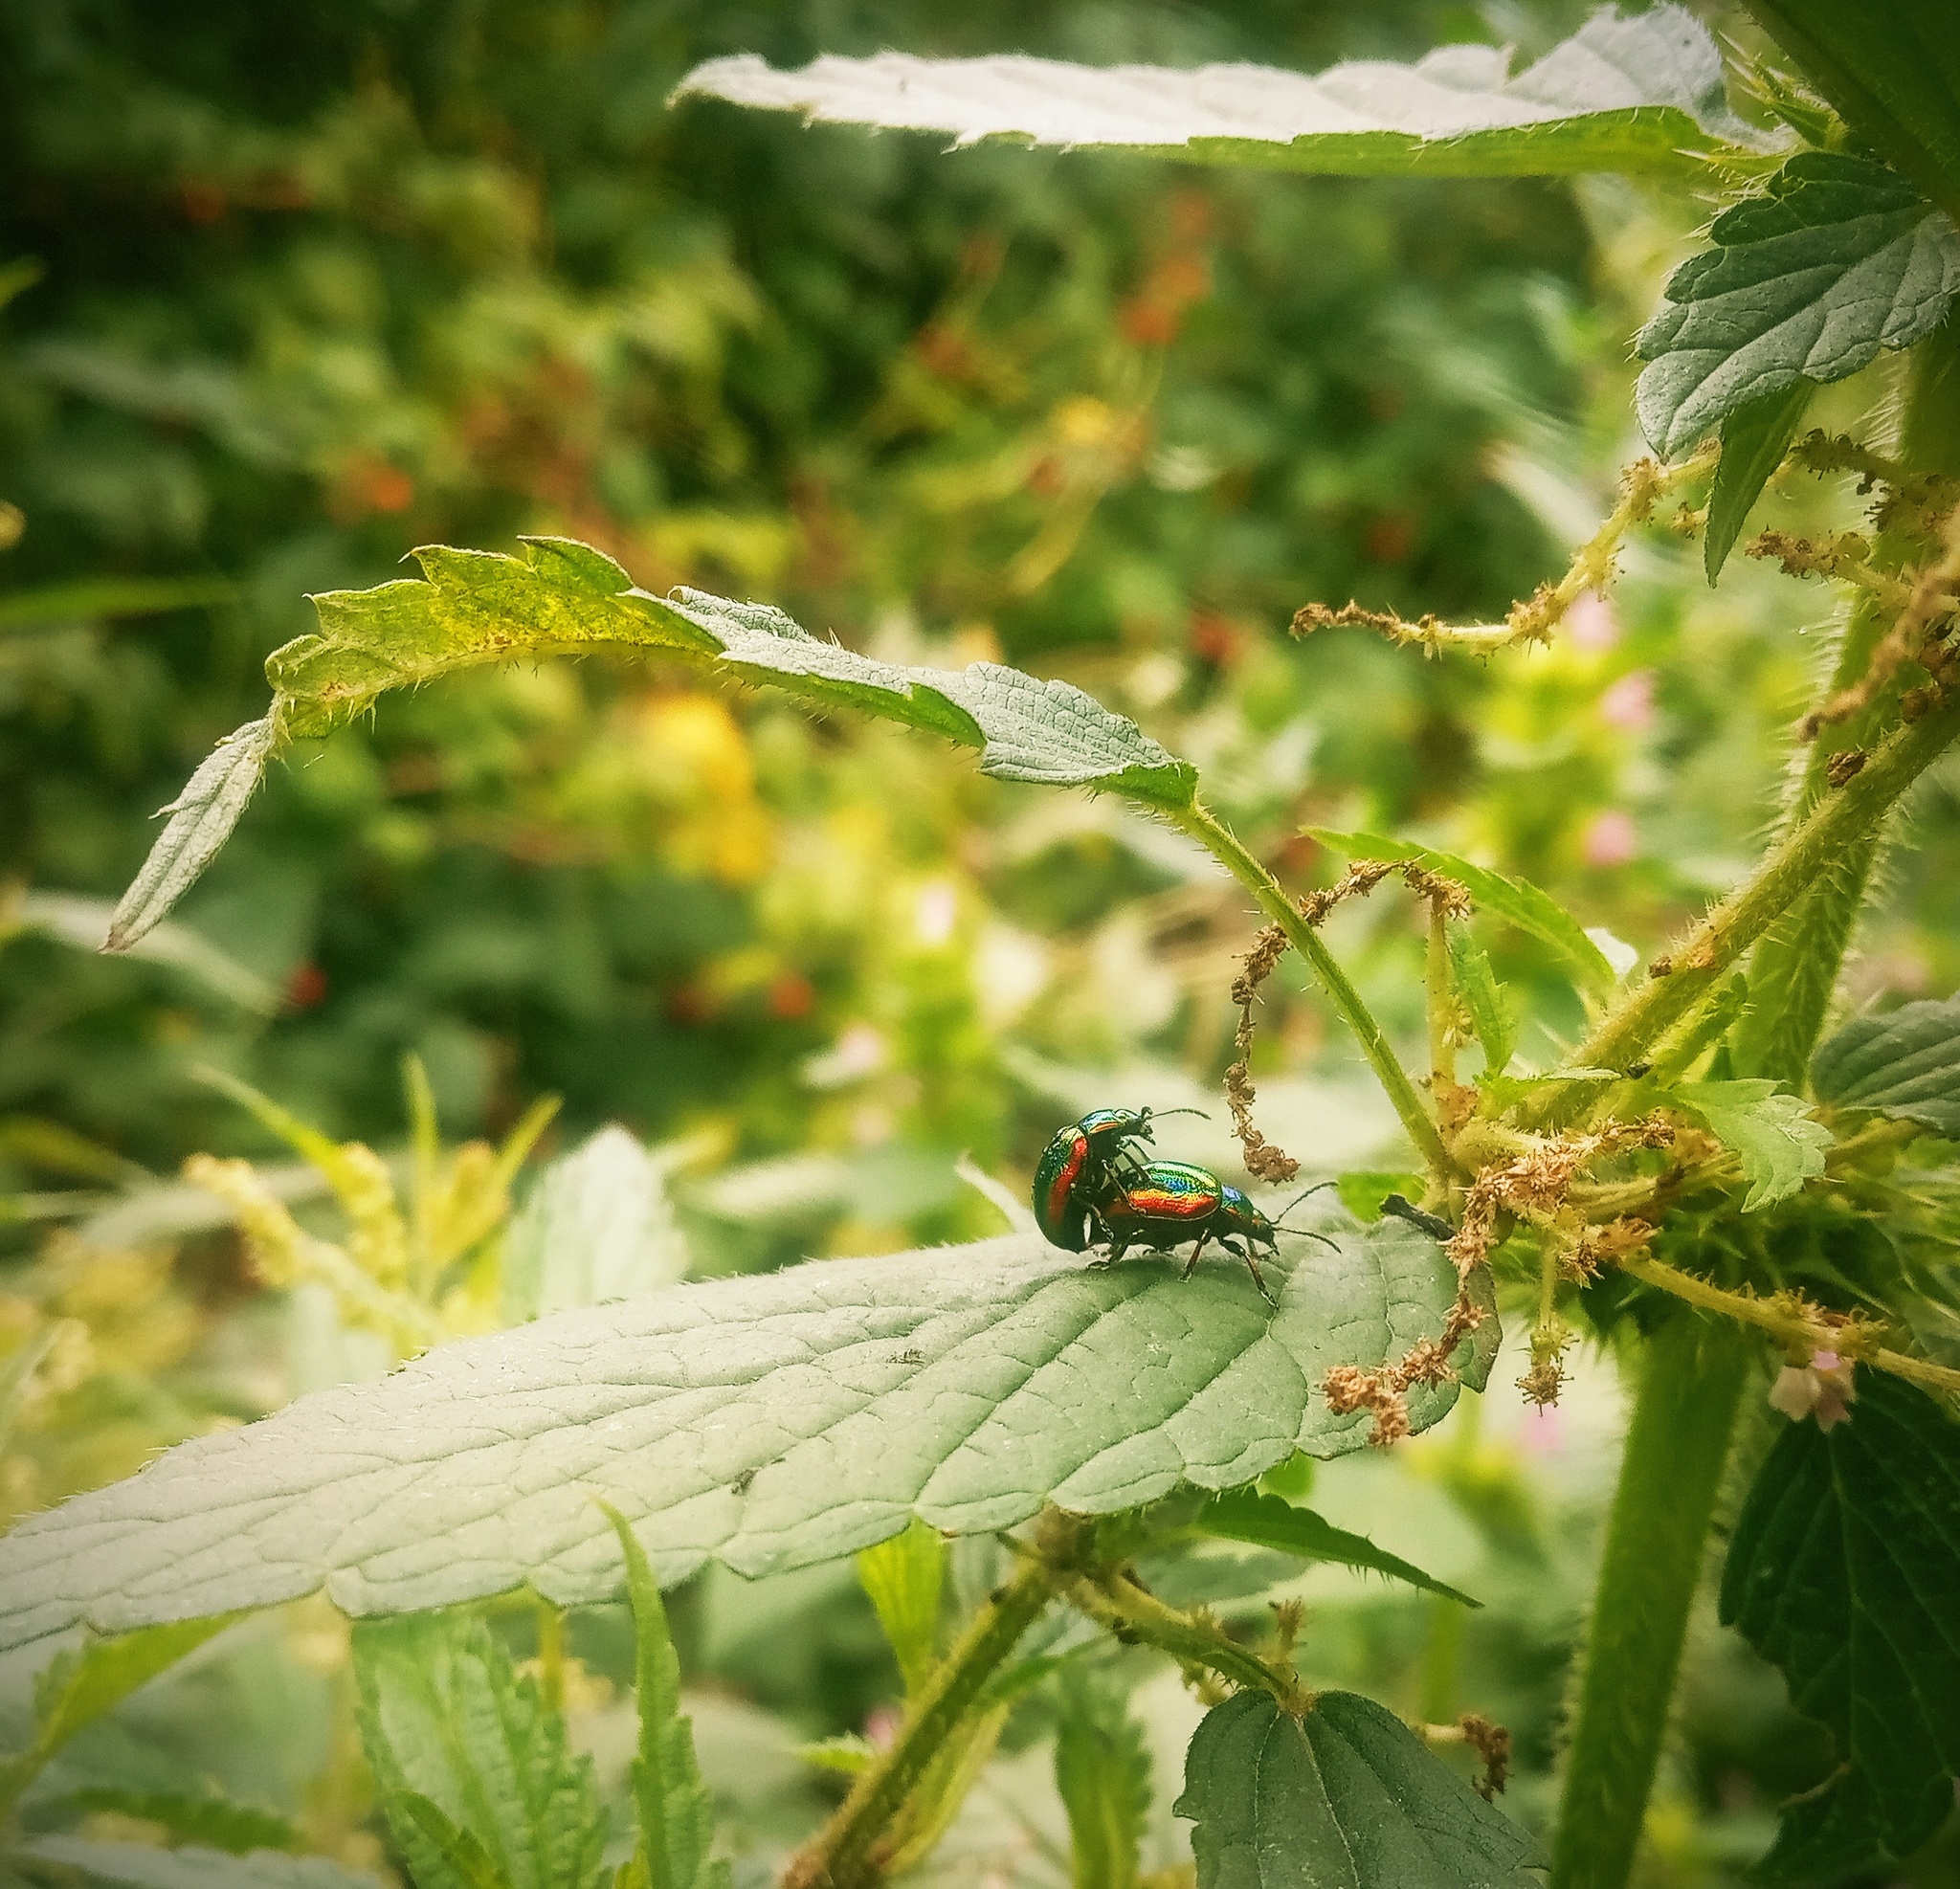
(289, 291)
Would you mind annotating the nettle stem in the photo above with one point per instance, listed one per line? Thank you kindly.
(1686, 975)
(1676, 1446)
(843, 1854)
(1205, 827)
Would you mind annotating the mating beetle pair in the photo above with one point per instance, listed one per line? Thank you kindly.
(1091, 1187)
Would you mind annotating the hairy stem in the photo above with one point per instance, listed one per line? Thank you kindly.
(1677, 983)
(843, 1854)
(1126, 1610)
(1205, 827)
(1669, 1476)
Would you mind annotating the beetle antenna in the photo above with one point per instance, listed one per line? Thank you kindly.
(1317, 1187)
(1159, 1114)
(1306, 1233)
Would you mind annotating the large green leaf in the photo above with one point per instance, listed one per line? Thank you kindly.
(1270, 1521)
(1637, 94)
(1844, 1569)
(1770, 1130)
(675, 1813)
(1103, 1775)
(1347, 1797)
(473, 1772)
(1904, 1063)
(559, 597)
(138, 1866)
(1837, 258)
(769, 1422)
(1512, 900)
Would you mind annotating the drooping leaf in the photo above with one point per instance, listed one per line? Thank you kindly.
(1904, 1063)
(212, 1822)
(1515, 902)
(1347, 1797)
(558, 596)
(675, 1815)
(1843, 1570)
(449, 1729)
(1490, 1011)
(1771, 1131)
(1837, 258)
(1270, 1521)
(83, 1682)
(85, 923)
(79, 600)
(1639, 94)
(904, 1577)
(768, 1421)
(200, 819)
(1102, 1773)
(597, 1226)
(1754, 438)
(137, 1866)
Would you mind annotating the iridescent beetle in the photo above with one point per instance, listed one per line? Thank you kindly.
(1077, 1166)
(1173, 1201)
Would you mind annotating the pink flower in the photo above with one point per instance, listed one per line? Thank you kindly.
(1591, 623)
(1823, 1388)
(1610, 838)
(1628, 704)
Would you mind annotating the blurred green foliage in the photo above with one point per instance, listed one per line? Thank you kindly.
(286, 291)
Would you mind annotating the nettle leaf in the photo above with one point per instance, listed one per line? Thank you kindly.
(1102, 1775)
(1771, 1131)
(1515, 902)
(475, 1776)
(1347, 1797)
(1843, 1570)
(1270, 1521)
(769, 1422)
(1754, 438)
(676, 1813)
(1637, 94)
(596, 1226)
(200, 819)
(1837, 258)
(1904, 1063)
(904, 1578)
(138, 1866)
(1483, 997)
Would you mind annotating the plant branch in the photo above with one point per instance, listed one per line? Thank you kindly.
(1202, 825)
(843, 1854)
(1679, 980)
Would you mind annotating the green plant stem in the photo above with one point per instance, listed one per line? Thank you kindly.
(1204, 826)
(1126, 1610)
(843, 1854)
(1837, 826)
(551, 1657)
(1442, 1057)
(1670, 1473)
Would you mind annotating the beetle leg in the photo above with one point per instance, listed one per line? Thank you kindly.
(1191, 1264)
(1258, 1279)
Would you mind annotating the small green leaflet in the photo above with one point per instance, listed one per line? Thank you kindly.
(83, 1683)
(1637, 94)
(141, 1866)
(1513, 900)
(200, 821)
(1837, 258)
(560, 597)
(904, 1578)
(1754, 438)
(1771, 1131)
(1347, 1797)
(1483, 997)
(479, 1787)
(768, 1421)
(214, 1823)
(676, 1816)
(1103, 1775)
(1270, 1521)
(1904, 1063)
(1841, 1572)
